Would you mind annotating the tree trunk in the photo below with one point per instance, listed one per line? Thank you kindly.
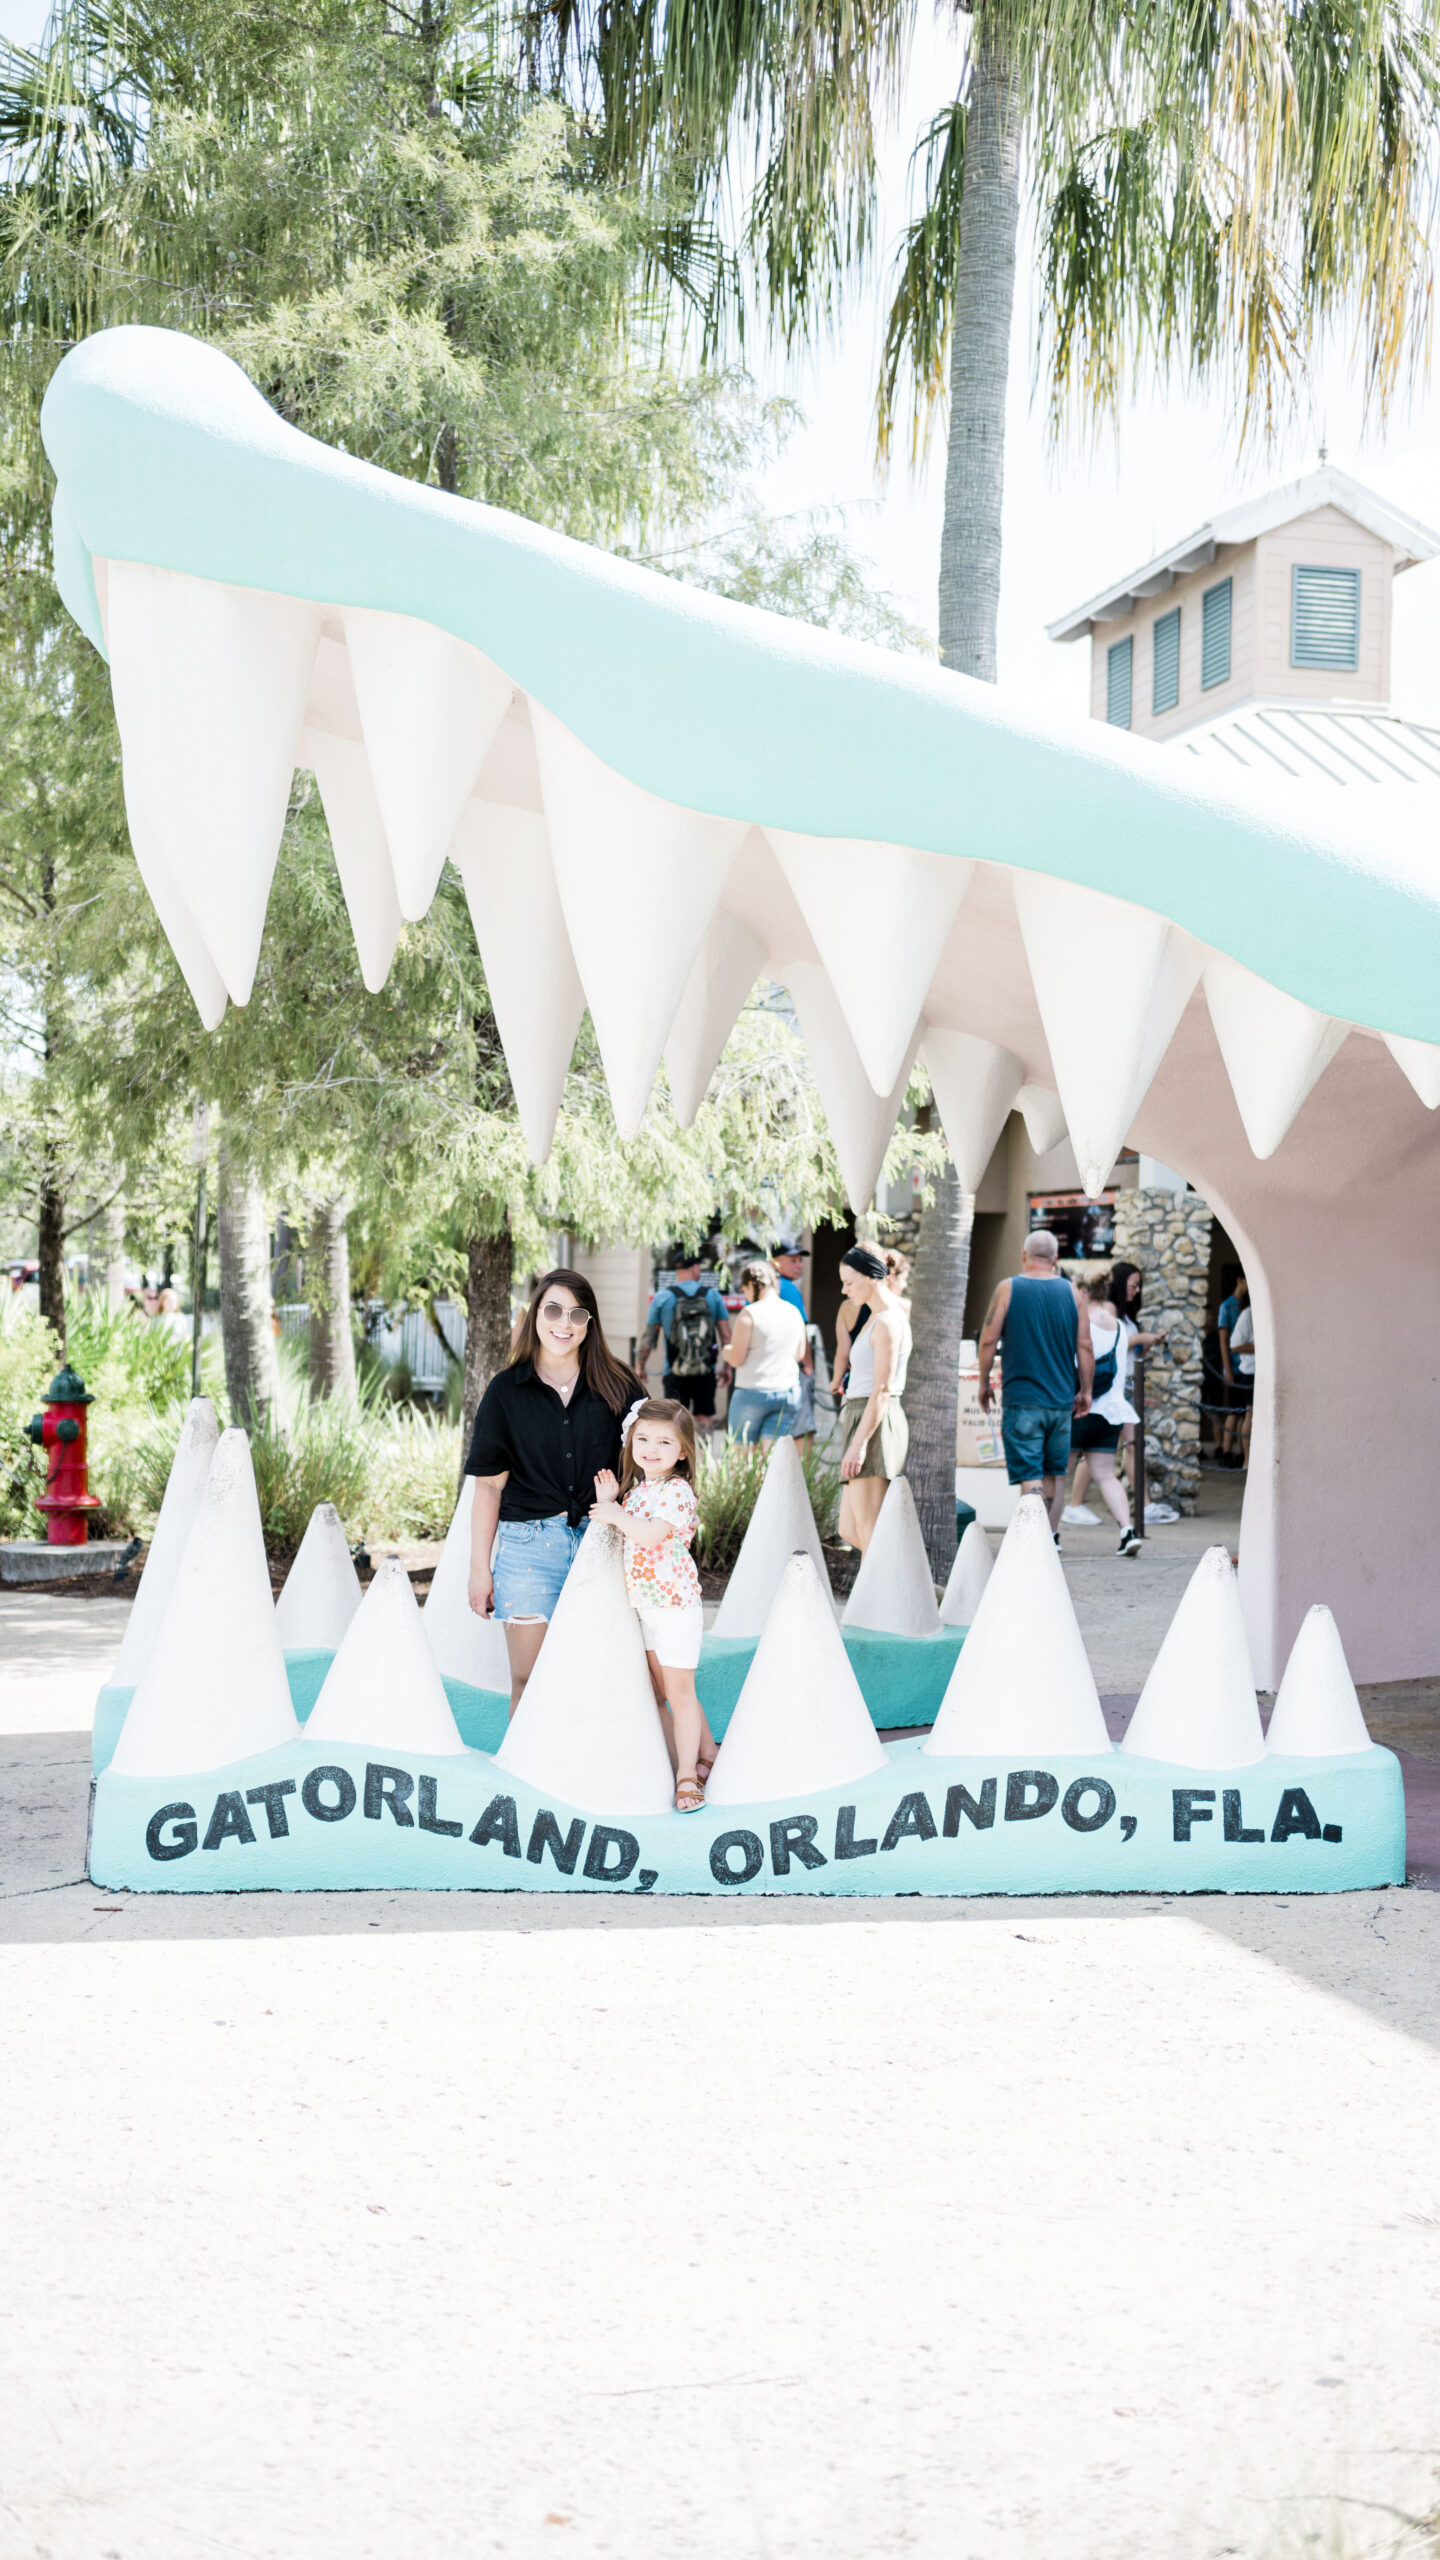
(111, 1258)
(980, 360)
(252, 1367)
(51, 1251)
(939, 1279)
(327, 1287)
(489, 1270)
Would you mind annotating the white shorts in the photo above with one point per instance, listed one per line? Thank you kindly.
(673, 1635)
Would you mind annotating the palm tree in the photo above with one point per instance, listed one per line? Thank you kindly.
(1212, 185)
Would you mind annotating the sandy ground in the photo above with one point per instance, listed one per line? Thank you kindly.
(348, 2226)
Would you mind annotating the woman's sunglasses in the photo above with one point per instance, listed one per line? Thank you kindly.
(554, 1313)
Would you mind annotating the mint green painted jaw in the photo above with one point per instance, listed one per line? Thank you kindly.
(165, 453)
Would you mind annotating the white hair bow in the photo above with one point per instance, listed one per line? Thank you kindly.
(628, 1425)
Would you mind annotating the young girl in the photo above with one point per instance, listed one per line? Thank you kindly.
(654, 1508)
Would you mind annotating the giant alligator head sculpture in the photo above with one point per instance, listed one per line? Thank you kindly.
(655, 797)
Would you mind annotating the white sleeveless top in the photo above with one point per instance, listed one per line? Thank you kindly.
(862, 1362)
(777, 1346)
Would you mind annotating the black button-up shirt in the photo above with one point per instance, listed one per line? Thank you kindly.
(551, 1451)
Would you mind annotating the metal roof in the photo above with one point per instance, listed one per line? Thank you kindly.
(1410, 540)
(1346, 744)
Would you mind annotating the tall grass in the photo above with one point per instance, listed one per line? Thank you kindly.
(730, 1476)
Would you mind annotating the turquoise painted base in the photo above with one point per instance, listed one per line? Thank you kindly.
(321, 1818)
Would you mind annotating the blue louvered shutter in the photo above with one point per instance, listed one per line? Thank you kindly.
(1119, 669)
(1215, 635)
(1325, 618)
(1165, 671)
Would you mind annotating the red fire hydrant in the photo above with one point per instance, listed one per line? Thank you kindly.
(67, 1496)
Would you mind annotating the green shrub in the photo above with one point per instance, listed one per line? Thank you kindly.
(29, 1358)
(415, 1468)
(323, 1455)
(731, 1474)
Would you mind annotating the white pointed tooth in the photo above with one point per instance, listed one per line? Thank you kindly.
(1075, 941)
(1317, 1708)
(861, 1124)
(1198, 1707)
(1419, 1060)
(639, 882)
(503, 857)
(214, 1688)
(781, 1522)
(362, 857)
(730, 961)
(1275, 1049)
(586, 1729)
(1023, 1681)
(1043, 1113)
(322, 1588)
(207, 987)
(894, 1590)
(969, 1574)
(430, 707)
(383, 1690)
(881, 916)
(179, 1511)
(800, 1722)
(210, 685)
(466, 1648)
(975, 1086)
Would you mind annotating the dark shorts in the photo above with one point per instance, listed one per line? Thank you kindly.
(1037, 1440)
(696, 1394)
(1239, 1394)
(1091, 1432)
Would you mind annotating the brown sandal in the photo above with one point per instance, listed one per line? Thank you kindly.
(692, 1793)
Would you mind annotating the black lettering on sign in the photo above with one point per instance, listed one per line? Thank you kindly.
(1189, 1805)
(546, 1835)
(314, 1802)
(498, 1822)
(1332, 1831)
(1017, 1786)
(273, 1799)
(846, 1844)
(186, 1831)
(394, 1787)
(1296, 1814)
(795, 1837)
(429, 1818)
(1074, 1796)
(1235, 1817)
(752, 1857)
(980, 1811)
(1128, 1825)
(912, 1819)
(602, 1840)
(229, 1821)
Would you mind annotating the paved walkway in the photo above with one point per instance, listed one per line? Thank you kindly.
(348, 2227)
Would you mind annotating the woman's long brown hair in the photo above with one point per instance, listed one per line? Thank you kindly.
(603, 1374)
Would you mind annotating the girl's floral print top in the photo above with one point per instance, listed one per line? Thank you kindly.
(663, 1577)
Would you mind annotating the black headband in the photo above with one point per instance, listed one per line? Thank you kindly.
(860, 1258)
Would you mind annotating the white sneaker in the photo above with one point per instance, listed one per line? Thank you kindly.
(1078, 1515)
(1161, 1511)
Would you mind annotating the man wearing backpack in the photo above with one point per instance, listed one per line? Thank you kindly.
(693, 1320)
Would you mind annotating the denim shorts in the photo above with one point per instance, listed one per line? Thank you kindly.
(1037, 1440)
(529, 1562)
(756, 1414)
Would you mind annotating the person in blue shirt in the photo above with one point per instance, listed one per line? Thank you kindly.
(694, 1321)
(787, 1259)
(1047, 1363)
(1239, 1393)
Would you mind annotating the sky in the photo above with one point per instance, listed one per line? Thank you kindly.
(1073, 520)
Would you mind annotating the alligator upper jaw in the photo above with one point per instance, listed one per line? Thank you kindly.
(644, 794)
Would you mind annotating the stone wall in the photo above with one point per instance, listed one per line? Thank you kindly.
(1167, 1235)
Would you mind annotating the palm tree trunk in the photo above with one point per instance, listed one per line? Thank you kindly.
(50, 1251)
(327, 1287)
(489, 1270)
(980, 359)
(252, 1367)
(938, 1284)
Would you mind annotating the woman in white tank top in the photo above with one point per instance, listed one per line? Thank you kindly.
(874, 1434)
(766, 1347)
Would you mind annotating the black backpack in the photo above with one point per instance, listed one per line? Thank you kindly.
(692, 1336)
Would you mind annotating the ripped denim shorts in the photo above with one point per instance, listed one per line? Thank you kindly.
(529, 1562)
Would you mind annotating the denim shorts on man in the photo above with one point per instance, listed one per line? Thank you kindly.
(529, 1562)
(1037, 1440)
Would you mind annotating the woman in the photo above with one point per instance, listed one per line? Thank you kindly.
(1124, 1288)
(764, 1352)
(548, 1425)
(1095, 1435)
(874, 1434)
(853, 1320)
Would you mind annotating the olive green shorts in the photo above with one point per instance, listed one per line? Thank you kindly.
(889, 1446)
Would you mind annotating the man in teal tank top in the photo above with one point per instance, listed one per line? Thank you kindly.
(1046, 1367)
